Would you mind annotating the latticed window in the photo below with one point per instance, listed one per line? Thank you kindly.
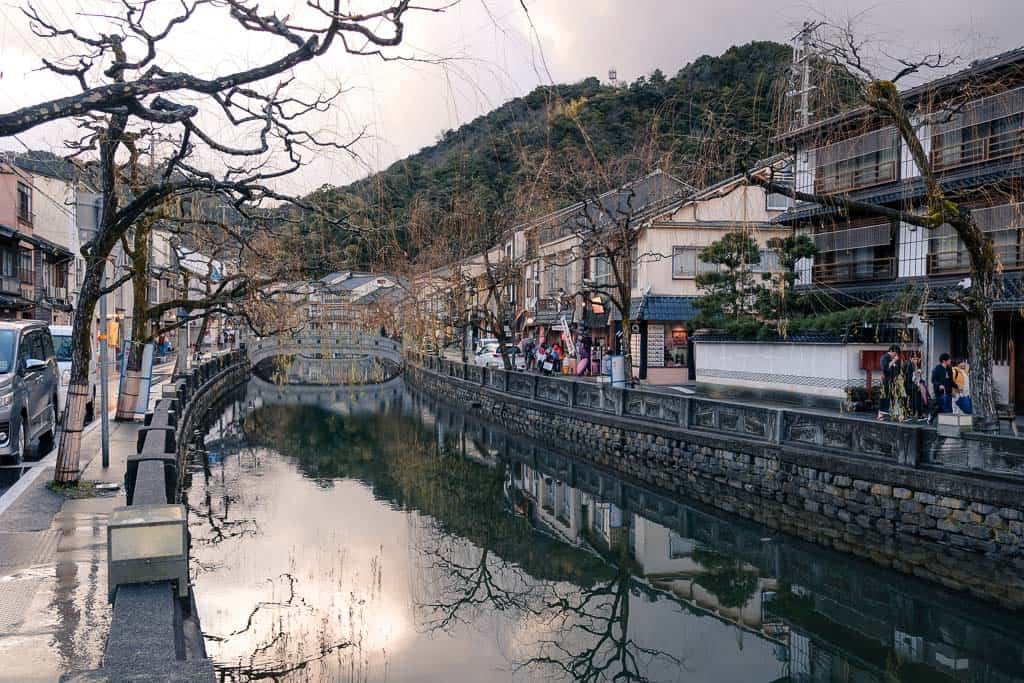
(1004, 223)
(986, 129)
(853, 252)
(858, 162)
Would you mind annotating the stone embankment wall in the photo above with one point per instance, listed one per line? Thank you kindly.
(964, 531)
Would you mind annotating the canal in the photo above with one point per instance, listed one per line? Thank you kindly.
(372, 534)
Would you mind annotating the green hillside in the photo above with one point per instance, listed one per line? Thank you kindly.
(706, 115)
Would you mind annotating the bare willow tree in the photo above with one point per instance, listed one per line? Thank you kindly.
(911, 112)
(129, 85)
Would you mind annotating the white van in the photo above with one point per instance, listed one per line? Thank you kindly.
(62, 344)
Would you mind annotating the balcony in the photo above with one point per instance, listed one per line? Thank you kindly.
(857, 163)
(868, 270)
(985, 130)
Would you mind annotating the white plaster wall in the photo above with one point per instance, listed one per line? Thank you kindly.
(742, 203)
(53, 205)
(836, 366)
(655, 252)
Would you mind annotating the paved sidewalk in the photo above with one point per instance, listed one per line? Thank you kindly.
(54, 614)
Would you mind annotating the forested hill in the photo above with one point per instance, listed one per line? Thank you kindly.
(700, 113)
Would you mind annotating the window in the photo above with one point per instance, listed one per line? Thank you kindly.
(988, 128)
(25, 266)
(686, 263)
(24, 203)
(862, 161)
(602, 271)
(770, 262)
(47, 346)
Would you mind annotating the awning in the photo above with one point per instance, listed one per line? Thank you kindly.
(659, 307)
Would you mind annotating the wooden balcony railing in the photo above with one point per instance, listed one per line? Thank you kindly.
(879, 269)
(986, 148)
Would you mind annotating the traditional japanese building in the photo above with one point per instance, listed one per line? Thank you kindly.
(971, 126)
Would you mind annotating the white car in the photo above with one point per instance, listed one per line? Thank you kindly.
(62, 345)
(490, 356)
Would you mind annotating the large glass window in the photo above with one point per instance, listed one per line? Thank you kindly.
(25, 203)
(988, 128)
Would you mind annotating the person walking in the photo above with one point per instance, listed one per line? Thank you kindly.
(942, 387)
(583, 356)
(889, 374)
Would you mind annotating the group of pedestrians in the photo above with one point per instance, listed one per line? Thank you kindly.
(550, 359)
(907, 394)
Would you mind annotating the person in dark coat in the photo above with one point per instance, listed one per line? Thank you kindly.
(890, 372)
(942, 386)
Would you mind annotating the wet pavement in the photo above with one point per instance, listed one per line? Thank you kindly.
(54, 614)
(407, 542)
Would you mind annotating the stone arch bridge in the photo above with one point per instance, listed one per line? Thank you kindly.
(326, 345)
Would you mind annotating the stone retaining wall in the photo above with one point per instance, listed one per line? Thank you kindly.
(964, 531)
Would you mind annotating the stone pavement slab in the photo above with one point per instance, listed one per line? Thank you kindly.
(54, 614)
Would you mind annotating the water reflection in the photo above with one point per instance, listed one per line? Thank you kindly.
(408, 543)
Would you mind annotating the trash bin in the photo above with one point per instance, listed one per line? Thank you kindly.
(618, 371)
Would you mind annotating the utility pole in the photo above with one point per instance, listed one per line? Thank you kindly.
(800, 76)
(182, 361)
(103, 341)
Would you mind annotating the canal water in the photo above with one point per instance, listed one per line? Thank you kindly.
(371, 534)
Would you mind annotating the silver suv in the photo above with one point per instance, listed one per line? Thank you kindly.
(29, 381)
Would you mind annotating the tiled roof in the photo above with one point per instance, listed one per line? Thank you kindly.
(660, 307)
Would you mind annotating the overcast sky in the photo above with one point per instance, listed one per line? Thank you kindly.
(495, 55)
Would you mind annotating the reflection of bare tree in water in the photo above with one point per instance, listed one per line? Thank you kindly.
(265, 662)
(590, 636)
(215, 516)
(585, 625)
(460, 582)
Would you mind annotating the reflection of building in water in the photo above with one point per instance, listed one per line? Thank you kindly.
(831, 623)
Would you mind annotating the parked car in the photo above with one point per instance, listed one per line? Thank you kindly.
(480, 344)
(62, 344)
(29, 383)
(490, 356)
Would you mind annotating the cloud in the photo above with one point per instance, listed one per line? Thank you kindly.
(491, 54)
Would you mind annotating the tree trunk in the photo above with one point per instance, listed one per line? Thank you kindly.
(69, 451)
(980, 333)
(131, 383)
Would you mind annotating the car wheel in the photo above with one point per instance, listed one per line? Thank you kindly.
(19, 444)
(47, 438)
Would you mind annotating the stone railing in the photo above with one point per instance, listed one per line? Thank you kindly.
(146, 640)
(906, 444)
(327, 342)
(779, 426)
